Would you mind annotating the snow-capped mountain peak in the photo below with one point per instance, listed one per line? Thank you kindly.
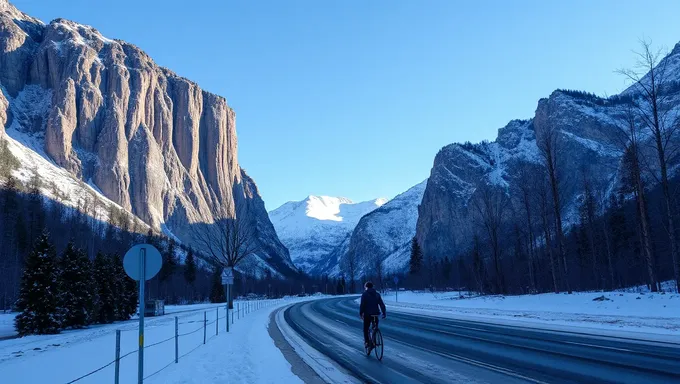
(315, 226)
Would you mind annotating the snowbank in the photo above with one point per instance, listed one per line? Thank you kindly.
(7, 325)
(645, 312)
(74, 353)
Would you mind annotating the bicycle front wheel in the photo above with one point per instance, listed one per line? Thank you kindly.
(378, 341)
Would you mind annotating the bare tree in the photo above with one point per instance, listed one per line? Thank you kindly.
(588, 216)
(545, 220)
(526, 183)
(230, 239)
(548, 144)
(349, 268)
(653, 108)
(491, 204)
(628, 137)
(376, 262)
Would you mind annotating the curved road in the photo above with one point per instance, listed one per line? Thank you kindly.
(437, 350)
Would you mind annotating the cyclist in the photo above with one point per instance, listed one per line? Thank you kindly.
(371, 304)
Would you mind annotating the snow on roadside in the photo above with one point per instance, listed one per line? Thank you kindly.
(73, 353)
(637, 312)
(246, 355)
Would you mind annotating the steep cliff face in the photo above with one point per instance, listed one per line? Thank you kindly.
(149, 140)
(588, 131)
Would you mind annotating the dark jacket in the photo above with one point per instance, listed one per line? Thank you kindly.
(371, 303)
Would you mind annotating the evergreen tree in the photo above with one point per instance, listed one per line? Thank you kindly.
(105, 279)
(76, 287)
(168, 267)
(124, 290)
(190, 272)
(39, 297)
(447, 266)
(8, 162)
(217, 294)
(416, 262)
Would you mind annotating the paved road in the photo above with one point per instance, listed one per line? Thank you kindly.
(435, 350)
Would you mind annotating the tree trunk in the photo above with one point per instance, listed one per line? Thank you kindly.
(645, 232)
(558, 225)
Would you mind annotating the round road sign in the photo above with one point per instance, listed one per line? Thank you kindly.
(132, 261)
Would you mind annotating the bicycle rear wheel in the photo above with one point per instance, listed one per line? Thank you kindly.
(368, 347)
(378, 341)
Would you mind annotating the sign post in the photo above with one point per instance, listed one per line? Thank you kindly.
(142, 262)
(396, 287)
(227, 281)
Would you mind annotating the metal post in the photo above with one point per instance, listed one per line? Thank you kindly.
(176, 340)
(217, 321)
(205, 322)
(228, 302)
(238, 312)
(232, 317)
(116, 381)
(142, 282)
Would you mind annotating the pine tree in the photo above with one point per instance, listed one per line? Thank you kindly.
(76, 287)
(105, 279)
(39, 297)
(168, 267)
(416, 262)
(124, 290)
(447, 266)
(190, 272)
(217, 294)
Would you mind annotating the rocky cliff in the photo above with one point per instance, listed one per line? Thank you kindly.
(588, 137)
(151, 141)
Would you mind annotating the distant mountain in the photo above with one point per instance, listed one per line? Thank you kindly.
(384, 234)
(313, 228)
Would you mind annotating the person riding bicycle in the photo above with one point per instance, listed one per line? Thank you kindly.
(371, 305)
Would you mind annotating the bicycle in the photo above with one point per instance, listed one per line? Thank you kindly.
(376, 338)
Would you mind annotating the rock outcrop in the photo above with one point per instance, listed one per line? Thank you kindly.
(151, 141)
(588, 131)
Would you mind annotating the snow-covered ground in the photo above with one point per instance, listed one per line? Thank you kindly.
(632, 310)
(247, 355)
(7, 325)
(71, 354)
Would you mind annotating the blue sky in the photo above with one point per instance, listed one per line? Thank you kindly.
(354, 98)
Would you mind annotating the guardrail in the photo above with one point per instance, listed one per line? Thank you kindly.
(210, 317)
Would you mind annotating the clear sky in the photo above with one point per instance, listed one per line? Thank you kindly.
(354, 98)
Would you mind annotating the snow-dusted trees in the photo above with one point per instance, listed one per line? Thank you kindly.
(76, 285)
(39, 297)
(654, 109)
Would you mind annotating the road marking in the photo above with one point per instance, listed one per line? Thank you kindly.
(477, 363)
(599, 346)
